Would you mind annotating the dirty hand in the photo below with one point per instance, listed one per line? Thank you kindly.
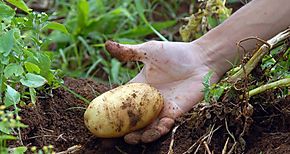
(176, 69)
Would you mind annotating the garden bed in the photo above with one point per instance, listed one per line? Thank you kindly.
(58, 120)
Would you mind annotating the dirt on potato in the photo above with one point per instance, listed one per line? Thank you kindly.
(57, 119)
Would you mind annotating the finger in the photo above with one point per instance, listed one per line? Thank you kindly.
(125, 52)
(154, 133)
(133, 138)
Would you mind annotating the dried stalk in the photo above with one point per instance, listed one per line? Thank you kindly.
(258, 55)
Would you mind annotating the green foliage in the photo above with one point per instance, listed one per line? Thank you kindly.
(206, 84)
(276, 65)
(9, 125)
(91, 23)
(25, 64)
(210, 14)
(19, 150)
(6, 12)
(140, 10)
(12, 97)
(271, 73)
(212, 92)
(20, 4)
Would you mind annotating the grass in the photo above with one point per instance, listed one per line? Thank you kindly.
(91, 24)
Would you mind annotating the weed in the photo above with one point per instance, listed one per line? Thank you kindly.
(10, 125)
(210, 14)
(25, 65)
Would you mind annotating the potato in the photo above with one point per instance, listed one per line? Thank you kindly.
(122, 110)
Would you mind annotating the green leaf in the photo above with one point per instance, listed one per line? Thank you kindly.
(56, 26)
(217, 92)
(109, 22)
(7, 42)
(7, 137)
(43, 61)
(142, 30)
(33, 80)
(115, 70)
(1, 84)
(19, 150)
(140, 10)
(4, 127)
(32, 93)
(4, 59)
(82, 15)
(206, 84)
(31, 68)
(212, 21)
(6, 12)
(20, 4)
(13, 70)
(12, 96)
(100, 6)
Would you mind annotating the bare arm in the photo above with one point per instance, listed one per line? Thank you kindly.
(261, 18)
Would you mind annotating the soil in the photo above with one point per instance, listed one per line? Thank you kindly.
(57, 119)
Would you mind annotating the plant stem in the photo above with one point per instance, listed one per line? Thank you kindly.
(263, 50)
(276, 84)
(1, 82)
(140, 11)
(76, 94)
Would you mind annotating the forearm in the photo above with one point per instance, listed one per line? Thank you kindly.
(261, 18)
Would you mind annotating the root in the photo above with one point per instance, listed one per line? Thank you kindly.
(170, 151)
(201, 140)
(72, 149)
(206, 147)
(225, 146)
(120, 150)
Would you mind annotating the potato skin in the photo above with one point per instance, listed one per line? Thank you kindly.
(123, 109)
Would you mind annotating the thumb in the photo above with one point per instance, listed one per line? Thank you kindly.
(125, 52)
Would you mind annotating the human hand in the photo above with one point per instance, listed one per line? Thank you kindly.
(176, 69)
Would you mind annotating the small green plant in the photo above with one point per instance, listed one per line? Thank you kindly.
(45, 150)
(25, 63)
(210, 14)
(10, 124)
(212, 92)
(273, 60)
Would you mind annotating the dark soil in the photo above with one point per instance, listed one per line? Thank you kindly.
(57, 119)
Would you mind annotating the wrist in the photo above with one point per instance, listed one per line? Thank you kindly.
(219, 53)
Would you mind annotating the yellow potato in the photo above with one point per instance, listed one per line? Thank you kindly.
(123, 110)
